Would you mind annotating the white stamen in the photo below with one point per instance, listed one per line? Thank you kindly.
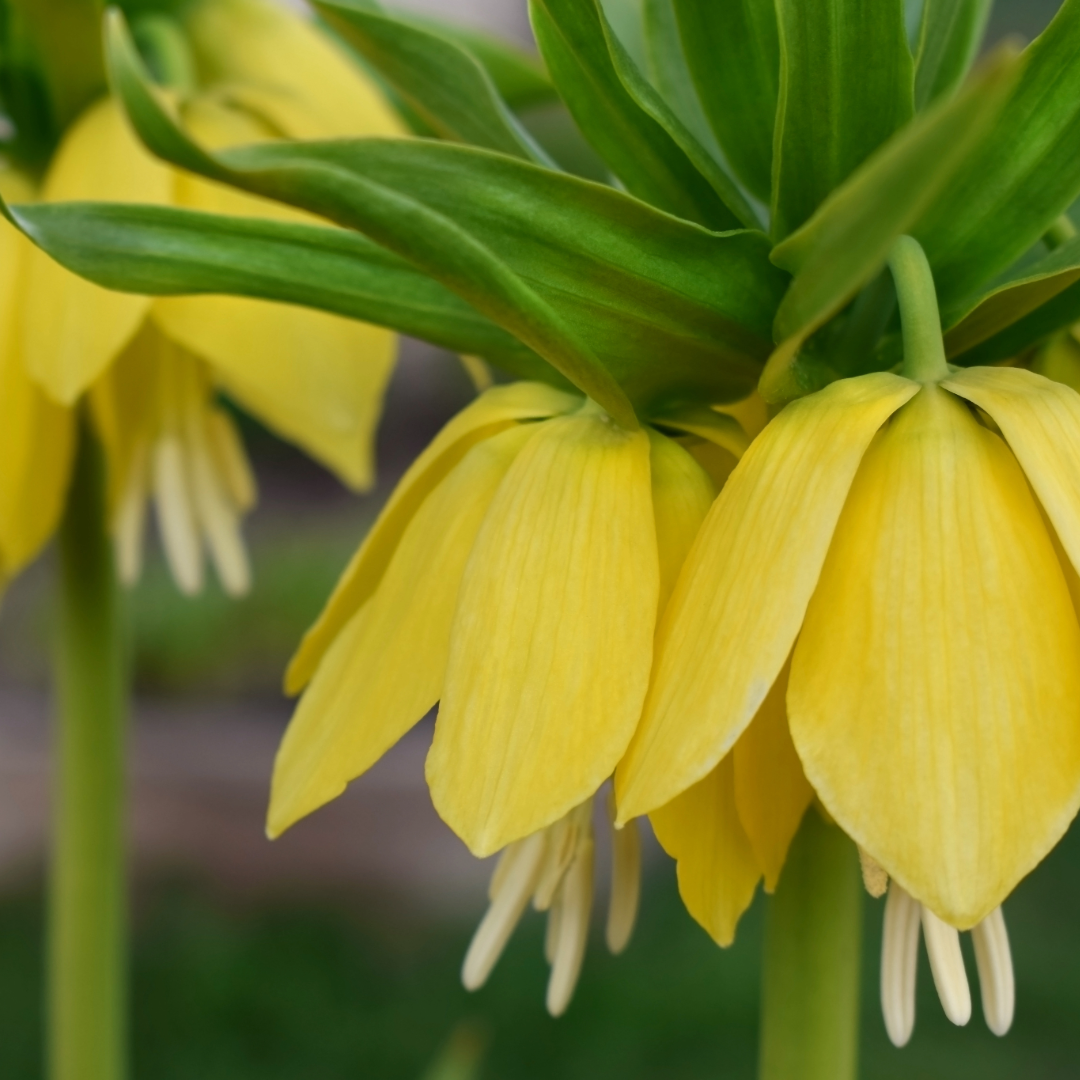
(231, 461)
(176, 515)
(575, 902)
(562, 839)
(129, 523)
(875, 879)
(517, 885)
(994, 961)
(217, 513)
(625, 881)
(947, 964)
(899, 964)
(551, 931)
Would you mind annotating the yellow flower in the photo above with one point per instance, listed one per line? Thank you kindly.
(912, 548)
(514, 577)
(153, 367)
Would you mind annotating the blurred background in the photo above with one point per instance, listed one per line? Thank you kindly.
(334, 952)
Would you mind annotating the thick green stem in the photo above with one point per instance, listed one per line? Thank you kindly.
(813, 939)
(924, 350)
(87, 975)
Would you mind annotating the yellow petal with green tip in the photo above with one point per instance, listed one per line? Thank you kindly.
(386, 668)
(771, 789)
(717, 871)
(552, 641)
(492, 412)
(740, 599)
(1040, 420)
(935, 688)
(72, 329)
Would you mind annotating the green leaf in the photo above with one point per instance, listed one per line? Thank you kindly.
(645, 157)
(653, 103)
(845, 244)
(1057, 314)
(1011, 300)
(733, 53)
(518, 76)
(574, 270)
(163, 251)
(441, 82)
(846, 85)
(950, 34)
(1023, 175)
(670, 73)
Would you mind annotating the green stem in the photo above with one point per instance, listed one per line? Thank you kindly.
(87, 987)
(813, 938)
(924, 350)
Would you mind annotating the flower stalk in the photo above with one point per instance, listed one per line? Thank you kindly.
(87, 955)
(924, 349)
(813, 941)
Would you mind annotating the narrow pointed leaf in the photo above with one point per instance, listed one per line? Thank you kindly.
(164, 251)
(574, 270)
(733, 53)
(647, 97)
(845, 244)
(637, 149)
(1023, 175)
(846, 85)
(950, 34)
(431, 241)
(441, 82)
(670, 73)
(1011, 299)
(518, 76)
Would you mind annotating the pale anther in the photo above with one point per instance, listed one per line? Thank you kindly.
(994, 961)
(899, 964)
(947, 965)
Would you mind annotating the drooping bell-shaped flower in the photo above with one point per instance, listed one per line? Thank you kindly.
(261, 72)
(514, 578)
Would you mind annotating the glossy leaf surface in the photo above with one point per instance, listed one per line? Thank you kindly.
(442, 83)
(1024, 174)
(733, 53)
(847, 241)
(164, 251)
(637, 149)
(846, 85)
(574, 270)
(1010, 300)
(950, 34)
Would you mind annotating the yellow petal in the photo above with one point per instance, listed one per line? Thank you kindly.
(74, 329)
(771, 789)
(552, 640)
(306, 82)
(386, 668)
(717, 462)
(682, 494)
(1040, 419)
(718, 873)
(36, 435)
(935, 688)
(316, 379)
(492, 412)
(741, 596)
(123, 404)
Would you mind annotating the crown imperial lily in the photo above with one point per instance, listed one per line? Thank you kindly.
(153, 367)
(514, 577)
